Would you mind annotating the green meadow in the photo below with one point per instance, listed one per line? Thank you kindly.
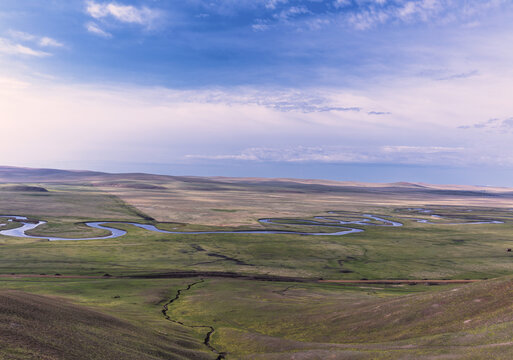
(210, 286)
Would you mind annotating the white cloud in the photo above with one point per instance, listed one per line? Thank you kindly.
(49, 42)
(424, 10)
(292, 12)
(367, 19)
(271, 4)
(232, 124)
(293, 154)
(20, 35)
(494, 124)
(341, 3)
(425, 155)
(123, 13)
(370, 14)
(96, 30)
(10, 48)
(400, 117)
(42, 41)
(260, 27)
(286, 100)
(421, 149)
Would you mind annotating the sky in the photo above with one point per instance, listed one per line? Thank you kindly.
(363, 90)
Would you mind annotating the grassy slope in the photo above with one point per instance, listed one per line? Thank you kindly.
(38, 327)
(262, 320)
(270, 321)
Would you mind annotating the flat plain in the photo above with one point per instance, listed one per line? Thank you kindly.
(253, 296)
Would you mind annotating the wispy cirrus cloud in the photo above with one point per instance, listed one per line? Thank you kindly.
(41, 41)
(21, 35)
(95, 29)
(19, 43)
(418, 155)
(108, 15)
(364, 15)
(379, 113)
(292, 12)
(9, 47)
(284, 100)
(272, 4)
(494, 124)
(390, 80)
(368, 14)
(291, 154)
(123, 13)
(46, 41)
(341, 3)
(463, 75)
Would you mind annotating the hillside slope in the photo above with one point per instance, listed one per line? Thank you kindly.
(302, 321)
(40, 327)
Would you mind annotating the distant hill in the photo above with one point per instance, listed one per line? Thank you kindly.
(20, 174)
(142, 181)
(130, 185)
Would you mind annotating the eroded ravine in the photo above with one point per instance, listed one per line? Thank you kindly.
(211, 329)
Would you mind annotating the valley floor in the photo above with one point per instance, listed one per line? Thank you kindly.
(437, 287)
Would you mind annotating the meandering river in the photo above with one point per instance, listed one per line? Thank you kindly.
(341, 227)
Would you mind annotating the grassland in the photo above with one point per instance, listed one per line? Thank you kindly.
(43, 327)
(210, 284)
(471, 321)
(414, 251)
(198, 200)
(266, 320)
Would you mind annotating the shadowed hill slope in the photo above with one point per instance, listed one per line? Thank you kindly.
(24, 188)
(299, 321)
(39, 327)
(464, 314)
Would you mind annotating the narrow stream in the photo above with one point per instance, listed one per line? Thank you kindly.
(340, 226)
(114, 233)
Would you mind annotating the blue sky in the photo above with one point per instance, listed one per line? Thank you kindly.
(372, 90)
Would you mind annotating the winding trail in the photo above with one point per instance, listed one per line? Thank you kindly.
(211, 329)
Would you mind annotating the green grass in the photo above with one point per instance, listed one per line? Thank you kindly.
(268, 320)
(67, 201)
(372, 322)
(139, 301)
(100, 324)
(414, 251)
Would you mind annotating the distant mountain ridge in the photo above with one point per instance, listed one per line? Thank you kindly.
(11, 174)
(22, 174)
